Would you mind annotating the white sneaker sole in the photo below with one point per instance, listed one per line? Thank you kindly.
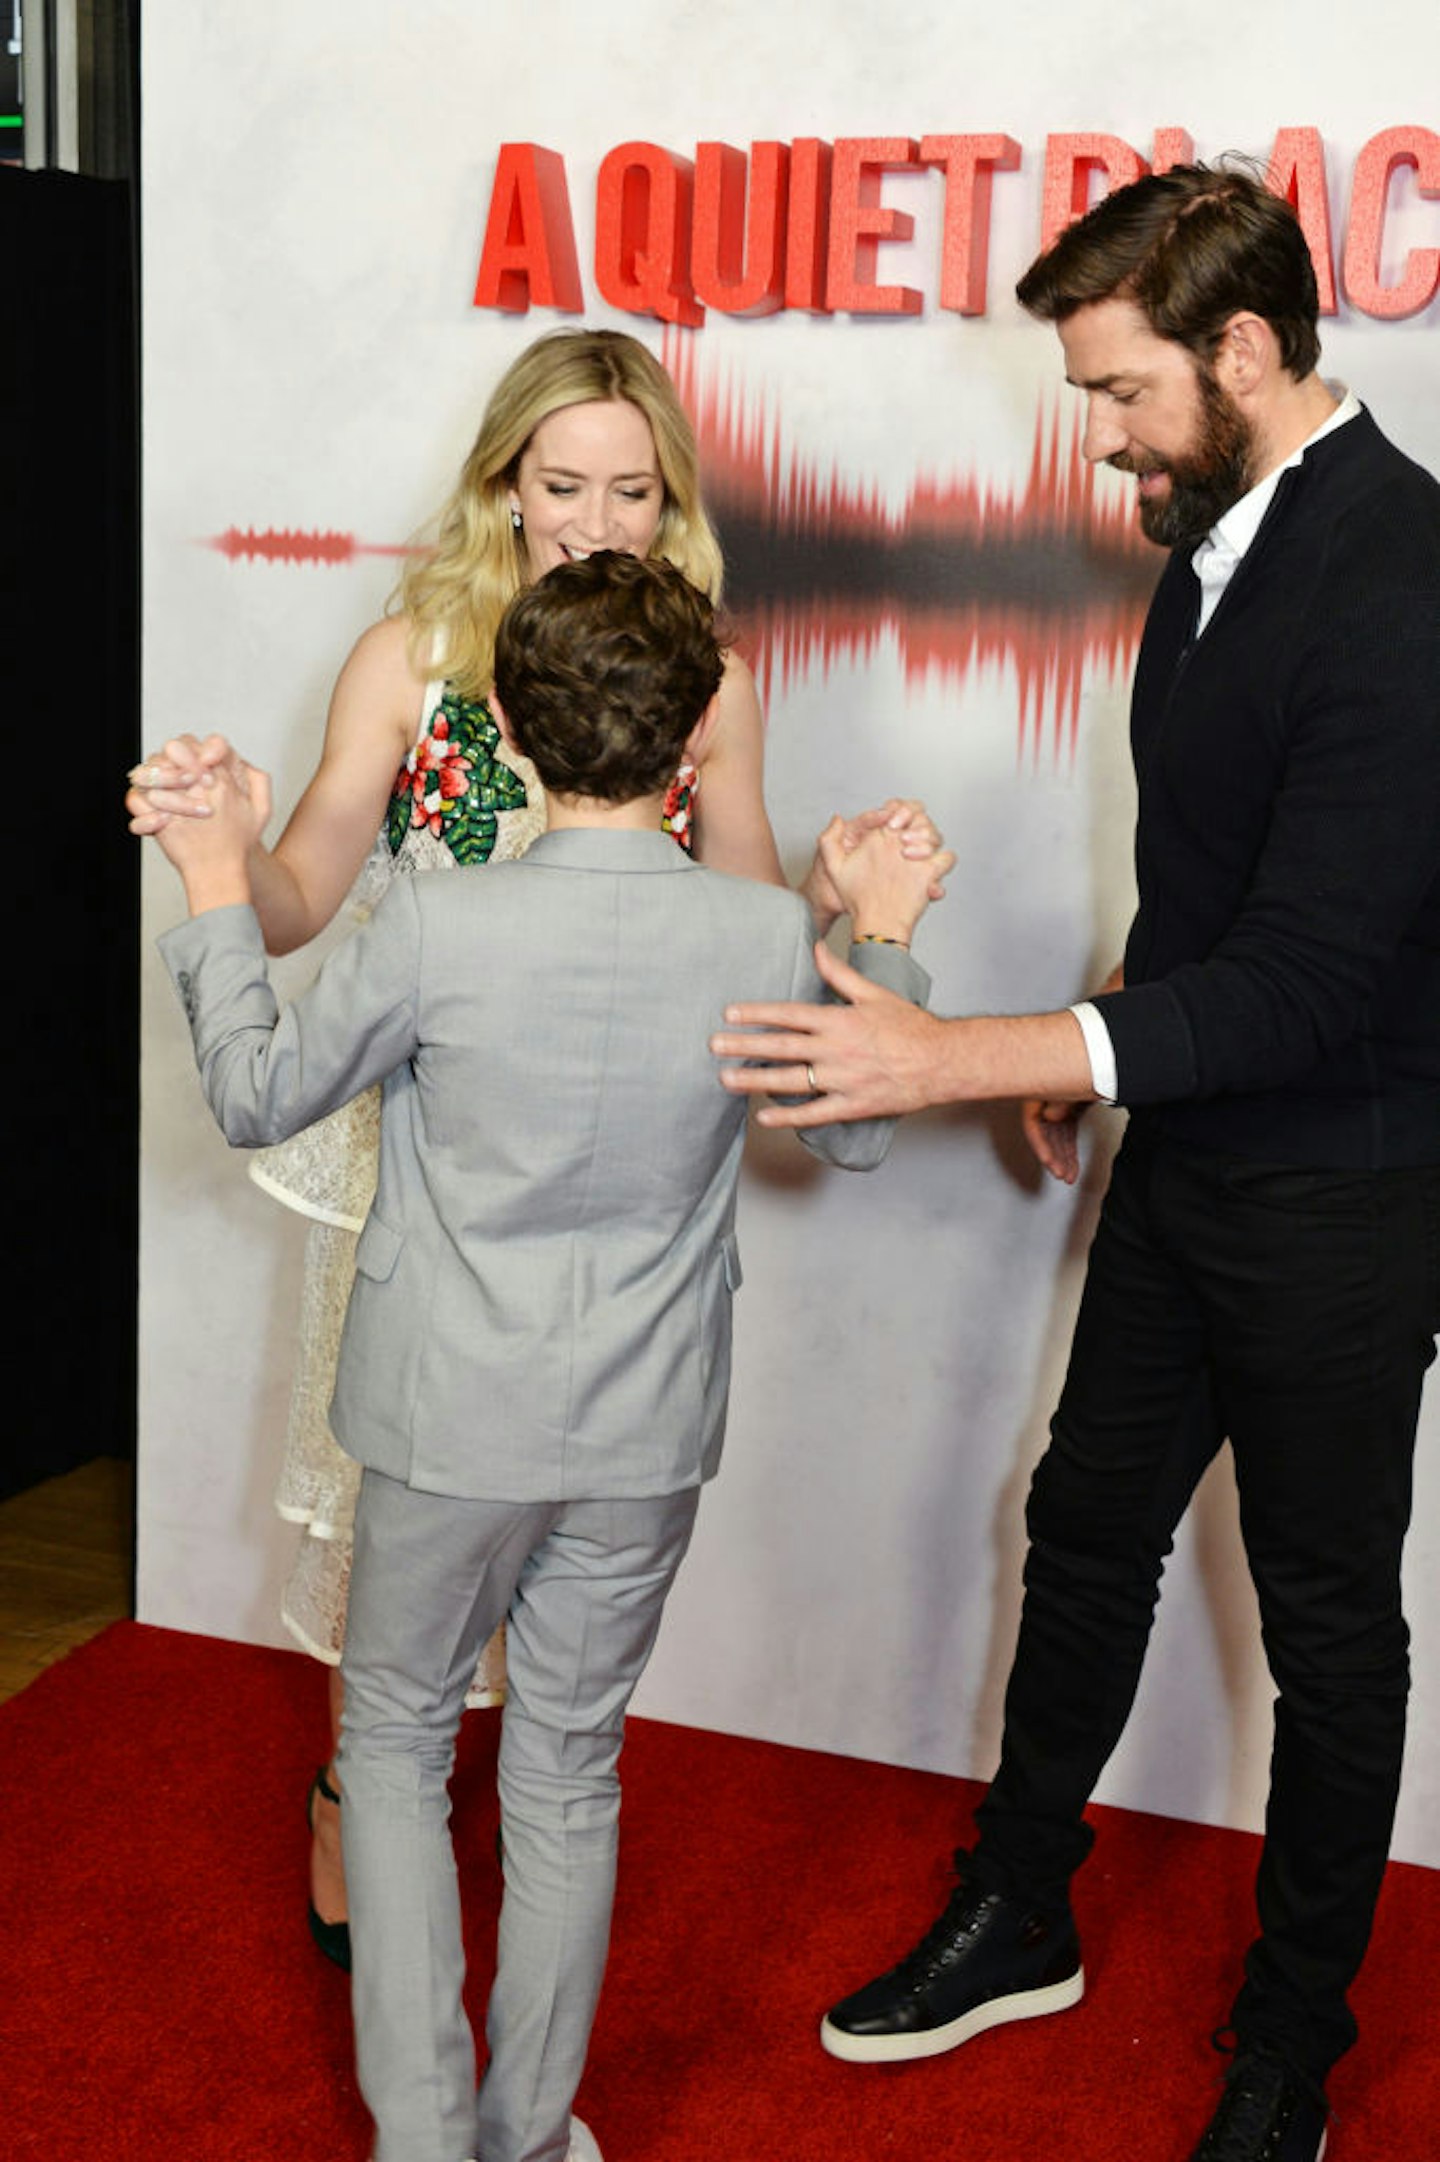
(584, 2147)
(900, 2048)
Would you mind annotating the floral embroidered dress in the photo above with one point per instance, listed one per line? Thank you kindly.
(455, 801)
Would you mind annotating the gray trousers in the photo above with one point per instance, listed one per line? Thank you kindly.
(581, 1586)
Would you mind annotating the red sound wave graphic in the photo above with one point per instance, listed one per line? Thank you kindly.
(1052, 579)
(290, 545)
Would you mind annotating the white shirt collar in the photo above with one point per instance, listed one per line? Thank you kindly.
(1215, 559)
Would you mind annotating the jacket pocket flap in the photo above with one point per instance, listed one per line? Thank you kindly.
(377, 1250)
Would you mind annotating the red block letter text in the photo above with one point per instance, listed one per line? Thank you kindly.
(528, 259)
(1419, 149)
(970, 163)
(859, 222)
(642, 233)
(1297, 171)
(807, 244)
(1071, 163)
(737, 256)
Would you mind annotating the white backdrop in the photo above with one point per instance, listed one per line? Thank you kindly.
(316, 186)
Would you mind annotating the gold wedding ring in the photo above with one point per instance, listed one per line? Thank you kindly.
(810, 1077)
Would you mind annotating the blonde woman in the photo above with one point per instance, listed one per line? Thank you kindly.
(583, 446)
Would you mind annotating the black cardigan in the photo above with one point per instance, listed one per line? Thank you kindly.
(1282, 975)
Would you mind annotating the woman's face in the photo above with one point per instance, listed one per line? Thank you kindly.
(588, 479)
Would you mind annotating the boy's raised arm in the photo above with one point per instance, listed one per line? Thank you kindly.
(885, 891)
(211, 854)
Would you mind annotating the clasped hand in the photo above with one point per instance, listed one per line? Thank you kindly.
(918, 835)
(211, 852)
(175, 782)
(867, 1058)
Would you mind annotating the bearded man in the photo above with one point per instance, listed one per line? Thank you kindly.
(1267, 1262)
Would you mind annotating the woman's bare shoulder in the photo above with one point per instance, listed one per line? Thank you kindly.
(383, 653)
(379, 690)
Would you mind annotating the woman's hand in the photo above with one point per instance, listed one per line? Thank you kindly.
(882, 885)
(174, 782)
(920, 837)
(212, 854)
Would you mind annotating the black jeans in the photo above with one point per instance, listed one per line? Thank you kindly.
(1295, 1311)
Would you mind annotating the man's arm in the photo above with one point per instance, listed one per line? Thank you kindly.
(877, 1056)
(885, 889)
(1051, 1124)
(881, 1054)
(863, 1143)
(1346, 766)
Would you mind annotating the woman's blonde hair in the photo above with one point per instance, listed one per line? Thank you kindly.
(456, 593)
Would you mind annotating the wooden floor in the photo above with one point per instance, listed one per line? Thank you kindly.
(66, 1566)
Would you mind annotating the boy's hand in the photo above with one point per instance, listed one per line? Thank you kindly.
(885, 888)
(902, 815)
(211, 853)
(170, 783)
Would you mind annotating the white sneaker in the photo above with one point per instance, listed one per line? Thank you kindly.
(583, 2144)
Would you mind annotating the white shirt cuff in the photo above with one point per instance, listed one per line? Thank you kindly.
(1104, 1075)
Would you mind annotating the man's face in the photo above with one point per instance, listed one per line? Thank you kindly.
(1151, 410)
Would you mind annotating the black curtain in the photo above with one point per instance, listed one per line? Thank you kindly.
(72, 582)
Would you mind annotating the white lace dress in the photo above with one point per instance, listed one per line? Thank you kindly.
(455, 801)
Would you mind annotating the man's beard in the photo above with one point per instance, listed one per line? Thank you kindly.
(1207, 481)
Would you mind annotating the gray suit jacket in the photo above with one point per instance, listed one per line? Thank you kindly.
(542, 1301)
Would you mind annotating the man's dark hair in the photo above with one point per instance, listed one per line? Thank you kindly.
(603, 668)
(1191, 247)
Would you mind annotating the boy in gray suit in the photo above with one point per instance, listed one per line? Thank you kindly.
(536, 1354)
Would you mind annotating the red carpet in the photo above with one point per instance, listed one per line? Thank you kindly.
(160, 1998)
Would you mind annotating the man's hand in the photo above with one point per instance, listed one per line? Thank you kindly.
(879, 1056)
(1051, 1124)
(1053, 1132)
(872, 1058)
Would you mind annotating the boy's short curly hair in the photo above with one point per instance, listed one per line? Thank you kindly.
(604, 667)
